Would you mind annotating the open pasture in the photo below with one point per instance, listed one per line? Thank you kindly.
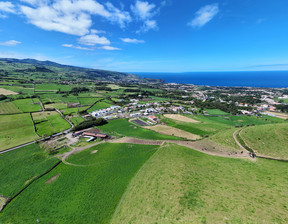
(182, 118)
(28, 105)
(53, 87)
(122, 127)
(100, 105)
(76, 120)
(21, 166)
(268, 140)
(180, 185)
(87, 100)
(15, 130)
(58, 106)
(216, 112)
(9, 108)
(49, 122)
(88, 191)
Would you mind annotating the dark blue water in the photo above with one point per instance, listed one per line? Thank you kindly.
(275, 79)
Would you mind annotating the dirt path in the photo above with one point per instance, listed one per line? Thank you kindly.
(241, 146)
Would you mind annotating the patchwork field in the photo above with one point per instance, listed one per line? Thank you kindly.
(48, 123)
(167, 130)
(28, 105)
(268, 140)
(9, 108)
(86, 192)
(123, 127)
(59, 106)
(180, 185)
(10, 133)
(7, 92)
(182, 118)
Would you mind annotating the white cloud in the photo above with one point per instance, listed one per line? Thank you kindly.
(93, 31)
(133, 41)
(93, 39)
(109, 48)
(71, 16)
(204, 15)
(143, 9)
(7, 7)
(148, 25)
(10, 43)
(77, 47)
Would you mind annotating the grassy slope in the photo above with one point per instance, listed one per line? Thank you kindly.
(123, 127)
(269, 140)
(20, 166)
(216, 112)
(77, 120)
(87, 194)
(180, 185)
(99, 106)
(10, 133)
(9, 108)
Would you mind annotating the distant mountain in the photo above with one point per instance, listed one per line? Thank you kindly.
(50, 70)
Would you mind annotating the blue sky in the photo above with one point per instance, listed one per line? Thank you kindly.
(148, 36)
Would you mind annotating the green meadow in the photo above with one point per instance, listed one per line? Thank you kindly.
(122, 127)
(48, 123)
(9, 108)
(180, 185)
(21, 166)
(28, 105)
(15, 130)
(100, 105)
(77, 120)
(87, 191)
(267, 140)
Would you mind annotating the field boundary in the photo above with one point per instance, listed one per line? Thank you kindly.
(23, 189)
(34, 125)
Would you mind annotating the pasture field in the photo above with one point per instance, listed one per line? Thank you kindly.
(48, 123)
(58, 98)
(181, 185)
(267, 140)
(52, 87)
(216, 112)
(59, 106)
(86, 192)
(167, 130)
(100, 105)
(10, 133)
(21, 166)
(73, 111)
(87, 100)
(7, 92)
(225, 138)
(76, 120)
(9, 108)
(28, 105)
(122, 127)
(212, 124)
(20, 89)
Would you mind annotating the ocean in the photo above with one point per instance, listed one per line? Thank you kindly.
(274, 79)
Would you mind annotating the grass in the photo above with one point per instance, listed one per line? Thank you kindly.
(99, 106)
(7, 92)
(122, 127)
(88, 100)
(21, 166)
(52, 87)
(28, 105)
(216, 112)
(212, 124)
(59, 106)
(180, 185)
(77, 120)
(268, 140)
(73, 111)
(16, 130)
(81, 194)
(48, 123)
(9, 108)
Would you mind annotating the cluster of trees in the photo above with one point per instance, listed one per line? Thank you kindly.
(228, 108)
(3, 97)
(283, 108)
(90, 123)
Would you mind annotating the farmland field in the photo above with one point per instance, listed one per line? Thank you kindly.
(28, 105)
(100, 105)
(76, 120)
(197, 188)
(123, 127)
(216, 112)
(10, 133)
(9, 108)
(268, 140)
(21, 166)
(88, 100)
(48, 123)
(52, 87)
(7, 92)
(56, 106)
(80, 194)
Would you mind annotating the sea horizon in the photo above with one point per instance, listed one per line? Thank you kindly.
(265, 79)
